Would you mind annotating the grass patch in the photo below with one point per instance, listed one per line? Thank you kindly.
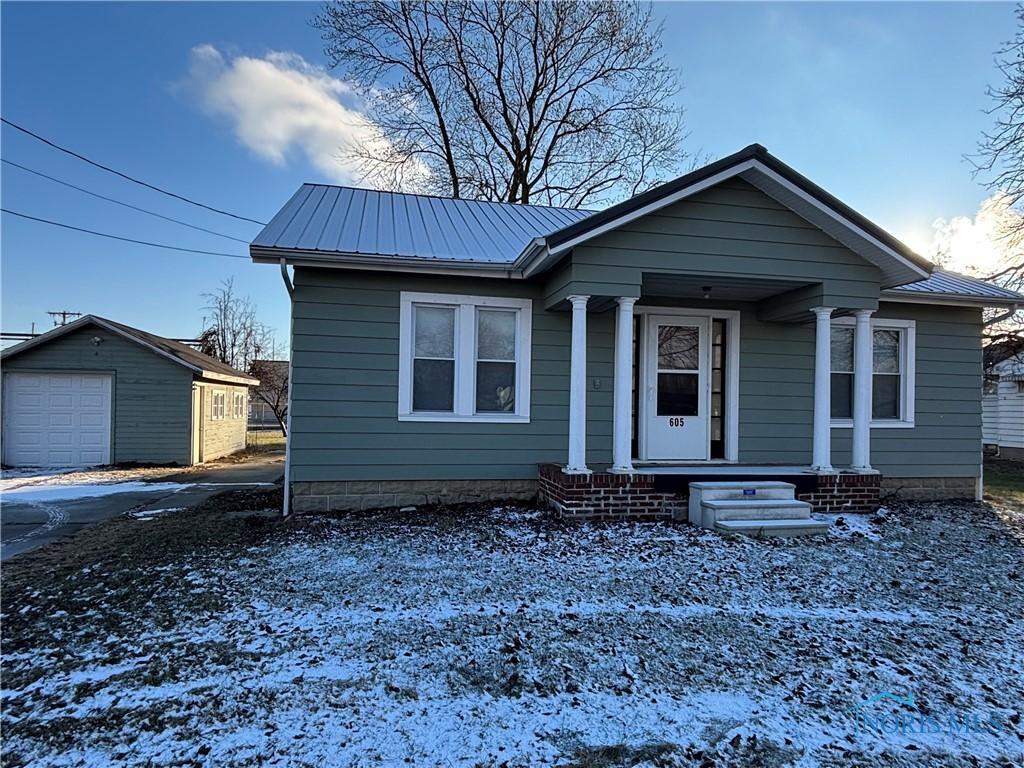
(1004, 481)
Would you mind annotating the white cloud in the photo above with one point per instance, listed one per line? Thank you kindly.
(280, 104)
(976, 245)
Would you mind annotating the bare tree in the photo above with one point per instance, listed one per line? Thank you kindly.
(566, 103)
(233, 334)
(273, 388)
(1001, 163)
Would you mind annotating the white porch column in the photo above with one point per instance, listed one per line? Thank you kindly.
(822, 446)
(863, 366)
(578, 388)
(622, 459)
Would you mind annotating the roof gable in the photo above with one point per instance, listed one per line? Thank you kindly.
(197, 362)
(897, 263)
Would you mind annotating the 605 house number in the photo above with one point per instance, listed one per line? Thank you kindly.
(676, 421)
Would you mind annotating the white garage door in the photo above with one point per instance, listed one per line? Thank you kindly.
(56, 420)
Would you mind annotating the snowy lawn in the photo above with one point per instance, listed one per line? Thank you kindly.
(503, 638)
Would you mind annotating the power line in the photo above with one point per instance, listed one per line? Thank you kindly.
(132, 179)
(120, 202)
(118, 237)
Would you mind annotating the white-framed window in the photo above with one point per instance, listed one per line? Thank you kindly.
(892, 377)
(217, 400)
(238, 403)
(464, 358)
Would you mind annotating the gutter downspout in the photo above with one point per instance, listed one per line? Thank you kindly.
(287, 507)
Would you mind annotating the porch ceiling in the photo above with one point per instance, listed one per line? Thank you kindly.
(722, 288)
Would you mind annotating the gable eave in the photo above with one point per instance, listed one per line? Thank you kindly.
(896, 261)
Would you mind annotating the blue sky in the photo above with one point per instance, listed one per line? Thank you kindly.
(875, 102)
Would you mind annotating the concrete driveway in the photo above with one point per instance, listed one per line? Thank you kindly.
(37, 510)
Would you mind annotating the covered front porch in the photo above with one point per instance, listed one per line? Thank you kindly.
(684, 376)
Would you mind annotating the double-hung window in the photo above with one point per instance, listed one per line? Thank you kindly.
(464, 358)
(892, 373)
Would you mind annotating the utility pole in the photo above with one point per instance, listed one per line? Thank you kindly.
(63, 314)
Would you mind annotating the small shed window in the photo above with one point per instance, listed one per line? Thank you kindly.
(239, 406)
(217, 402)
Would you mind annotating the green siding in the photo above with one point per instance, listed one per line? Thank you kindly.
(730, 230)
(346, 332)
(345, 387)
(152, 396)
(946, 438)
(345, 395)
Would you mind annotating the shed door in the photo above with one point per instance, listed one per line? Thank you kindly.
(56, 419)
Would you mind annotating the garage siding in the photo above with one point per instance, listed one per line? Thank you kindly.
(152, 396)
(222, 437)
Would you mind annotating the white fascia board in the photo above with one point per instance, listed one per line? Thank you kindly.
(810, 199)
(229, 379)
(452, 267)
(949, 299)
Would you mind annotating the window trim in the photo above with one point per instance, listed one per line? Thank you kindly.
(213, 404)
(464, 402)
(908, 344)
(237, 405)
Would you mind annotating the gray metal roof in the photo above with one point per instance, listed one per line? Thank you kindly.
(953, 284)
(330, 219)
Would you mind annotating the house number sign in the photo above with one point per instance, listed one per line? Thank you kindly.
(677, 421)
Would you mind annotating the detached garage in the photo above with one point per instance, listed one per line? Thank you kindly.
(99, 392)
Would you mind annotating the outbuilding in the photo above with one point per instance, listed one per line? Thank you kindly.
(96, 392)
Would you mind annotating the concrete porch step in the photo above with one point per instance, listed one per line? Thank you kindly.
(782, 528)
(756, 509)
(746, 492)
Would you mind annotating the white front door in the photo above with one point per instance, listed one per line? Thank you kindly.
(56, 419)
(676, 362)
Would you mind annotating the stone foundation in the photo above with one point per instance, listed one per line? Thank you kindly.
(604, 496)
(845, 492)
(354, 495)
(927, 488)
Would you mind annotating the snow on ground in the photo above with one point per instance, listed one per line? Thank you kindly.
(20, 478)
(35, 494)
(503, 638)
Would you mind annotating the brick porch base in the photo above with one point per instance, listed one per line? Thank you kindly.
(602, 495)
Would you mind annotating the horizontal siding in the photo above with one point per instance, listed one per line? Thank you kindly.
(1003, 416)
(730, 230)
(222, 437)
(152, 396)
(345, 393)
(345, 387)
(946, 438)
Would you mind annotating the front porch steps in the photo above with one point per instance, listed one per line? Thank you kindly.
(754, 508)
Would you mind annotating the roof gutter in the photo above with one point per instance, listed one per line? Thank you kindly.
(951, 299)
(262, 255)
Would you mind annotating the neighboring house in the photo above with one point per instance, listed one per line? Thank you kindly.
(1003, 408)
(273, 386)
(98, 392)
(738, 322)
